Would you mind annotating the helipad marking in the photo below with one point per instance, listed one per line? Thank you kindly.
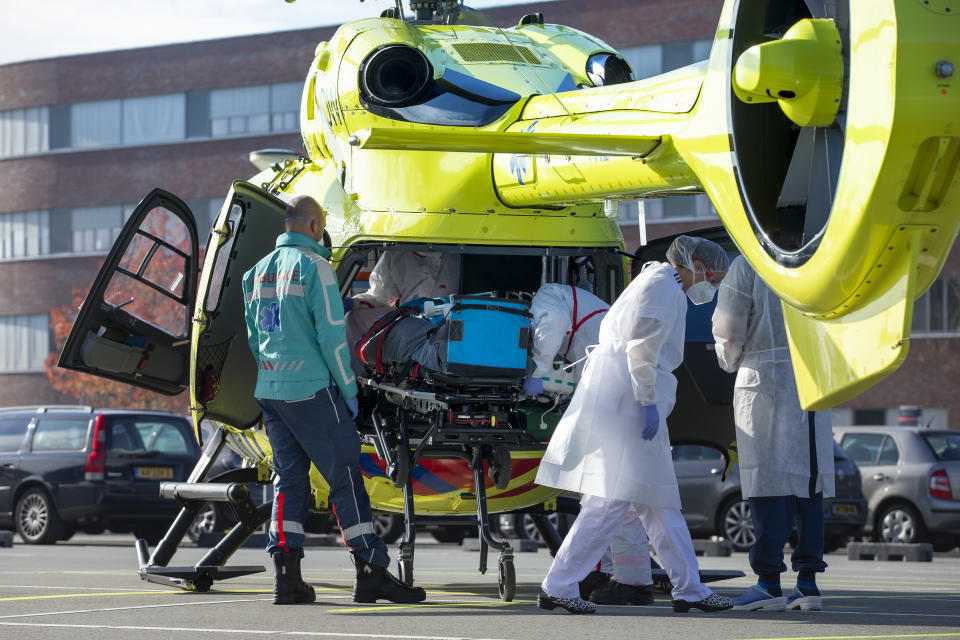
(897, 635)
(142, 606)
(257, 632)
(377, 609)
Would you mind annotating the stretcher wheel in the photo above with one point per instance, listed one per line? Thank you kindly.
(405, 571)
(507, 580)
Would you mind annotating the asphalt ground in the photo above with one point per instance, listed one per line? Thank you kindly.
(89, 588)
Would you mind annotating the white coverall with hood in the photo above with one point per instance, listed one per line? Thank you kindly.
(772, 429)
(566, 321)
(398, 277)
(597, 449)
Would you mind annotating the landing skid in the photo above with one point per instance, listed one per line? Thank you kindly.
(192, 495)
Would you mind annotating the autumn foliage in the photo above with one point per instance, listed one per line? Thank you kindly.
(161, 267)
(93, 390)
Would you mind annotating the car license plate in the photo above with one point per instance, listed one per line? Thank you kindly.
(154, 473)
(841, 509)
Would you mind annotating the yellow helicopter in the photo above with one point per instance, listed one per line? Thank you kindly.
(822, 131)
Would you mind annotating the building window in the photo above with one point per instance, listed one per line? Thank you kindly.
(869, 417)
(24, 342)
(239, 111)
(132, 121)
(24, 131)
(95, 228)
(937, 311)
(671, 209)
(95, 124)
(24, 234)
(652, 60)
(285, 106)
(250, 110)
(155, 119)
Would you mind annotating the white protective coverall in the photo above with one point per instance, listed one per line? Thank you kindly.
(772, 429)
(597, 449)
(398, 277)
(566, 321)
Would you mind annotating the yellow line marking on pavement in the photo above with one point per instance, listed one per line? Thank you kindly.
(897, 635)
(245, 632)
(377, 609)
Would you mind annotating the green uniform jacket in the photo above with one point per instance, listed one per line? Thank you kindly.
(295, 322)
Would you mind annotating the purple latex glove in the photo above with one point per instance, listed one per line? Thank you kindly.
(354, 406)
(651, 422)
(347, 304)
(533, 386)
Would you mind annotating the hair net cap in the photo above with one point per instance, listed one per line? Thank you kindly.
(684, 249)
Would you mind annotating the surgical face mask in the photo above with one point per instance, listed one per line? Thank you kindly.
(701, 292)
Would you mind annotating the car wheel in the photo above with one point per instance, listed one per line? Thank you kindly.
(736, 525)
(900, 523)
(388, 526)
(528, 530)
(207, 521)
(37, 519)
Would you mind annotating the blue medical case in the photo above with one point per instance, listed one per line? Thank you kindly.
(486, 336)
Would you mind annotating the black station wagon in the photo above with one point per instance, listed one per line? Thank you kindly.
(69, 469)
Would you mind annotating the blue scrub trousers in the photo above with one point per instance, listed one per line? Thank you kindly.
(318, 429)
(773, 521)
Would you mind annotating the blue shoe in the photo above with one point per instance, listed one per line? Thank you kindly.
(756, 599)
(797, 600)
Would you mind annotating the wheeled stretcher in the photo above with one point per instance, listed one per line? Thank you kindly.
(431, 395)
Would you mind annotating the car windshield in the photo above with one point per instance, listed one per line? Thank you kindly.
(945, 446)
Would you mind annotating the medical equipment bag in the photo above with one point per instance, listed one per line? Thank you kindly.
(485, 336)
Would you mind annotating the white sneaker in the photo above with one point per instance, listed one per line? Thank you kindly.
(798, 601)
(756, 599)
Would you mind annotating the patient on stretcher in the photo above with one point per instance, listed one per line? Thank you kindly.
(476, 336)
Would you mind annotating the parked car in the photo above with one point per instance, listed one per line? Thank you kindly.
(712, 506)
(64, 469)
(911, 478)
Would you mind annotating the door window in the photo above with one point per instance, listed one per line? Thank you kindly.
(58, 434)
(888, 452)
(11, 433)
(864, 448)
(150, 279)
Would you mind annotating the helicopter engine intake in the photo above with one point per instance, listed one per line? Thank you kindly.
(395, 76)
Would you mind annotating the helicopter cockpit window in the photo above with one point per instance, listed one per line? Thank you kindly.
(397, 82)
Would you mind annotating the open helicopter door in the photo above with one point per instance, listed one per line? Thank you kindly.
(134, 325)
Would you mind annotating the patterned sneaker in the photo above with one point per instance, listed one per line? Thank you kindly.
(573, 605)
(621, 594)
(756, 599)
(713, 602)
(797, 600)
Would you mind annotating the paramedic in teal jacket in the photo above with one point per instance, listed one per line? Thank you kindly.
(307, 392)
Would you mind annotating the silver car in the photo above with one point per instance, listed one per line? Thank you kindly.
(715, 507)
(911, 479)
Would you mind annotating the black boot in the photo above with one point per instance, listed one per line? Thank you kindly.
(289, 587)
(375, 583)
(623, 594)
